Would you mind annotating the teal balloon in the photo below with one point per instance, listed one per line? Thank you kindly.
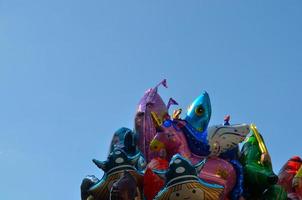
(199, 112)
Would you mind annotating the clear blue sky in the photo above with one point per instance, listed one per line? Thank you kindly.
(72, 72)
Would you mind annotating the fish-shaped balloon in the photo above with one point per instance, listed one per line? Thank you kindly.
(145, 129)
(222, 138)
(199, 112)
(216, 139)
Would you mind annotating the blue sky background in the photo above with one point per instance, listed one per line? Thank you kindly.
(72, 72)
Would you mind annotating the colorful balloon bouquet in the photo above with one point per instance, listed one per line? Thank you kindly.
(167, 157)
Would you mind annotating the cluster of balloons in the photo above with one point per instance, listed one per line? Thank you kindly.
(167, 157)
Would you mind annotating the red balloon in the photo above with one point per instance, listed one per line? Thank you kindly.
(152, 184)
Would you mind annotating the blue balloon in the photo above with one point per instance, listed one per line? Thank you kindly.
(237, 191)
(199, 112)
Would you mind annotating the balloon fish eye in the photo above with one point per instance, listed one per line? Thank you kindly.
(199, 110)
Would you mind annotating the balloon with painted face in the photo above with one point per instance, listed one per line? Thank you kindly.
(114, 167)
(199, 112)
(215, 170)
(182, 182)
(125, 188)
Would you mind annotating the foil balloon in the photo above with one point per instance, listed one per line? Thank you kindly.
(197, 120)
(124, 138)
(215, 170)
(87, 183)
(216, 140)
(237, 191)
(290, 177)
(232, 155)
(182, 182)
(170, 157)
(260, 180)
(199, 112)
(114, 167)
(152, 184)
(222, 138)
(297, 183)
(158, 164)
(144, 126)
(126, 188)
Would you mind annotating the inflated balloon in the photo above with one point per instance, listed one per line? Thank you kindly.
(87, 182)
(126, 188)
(297, 183)
(182, 182)
(158, 164)
(216, 170)
(124, 138)
(173, 141)
(199, 112)
(225, 137)
(232, 155)
(118, 162)
(223, 141)
(290, 177)
(144, 127)
(152, 184)
(164, 158)
(237, 191)
(216, 139)
(259, 177)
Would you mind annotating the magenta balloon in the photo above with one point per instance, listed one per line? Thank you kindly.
(215, 170)
(144, 127)
(219, 171)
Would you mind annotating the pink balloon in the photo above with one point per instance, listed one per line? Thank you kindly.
(215, 170)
